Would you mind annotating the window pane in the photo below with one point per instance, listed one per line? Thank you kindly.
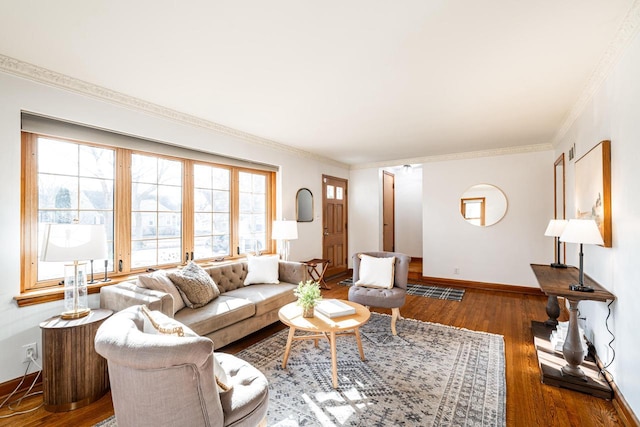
(339, 193)
(156, 211)
(212, 212)
(253, 212)
(330, 191)
(72, 186)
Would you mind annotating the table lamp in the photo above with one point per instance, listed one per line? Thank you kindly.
(555, 229)
(284, 230)
(72, 243)
(581, 231)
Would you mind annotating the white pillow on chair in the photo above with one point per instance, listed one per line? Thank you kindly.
(376, 272)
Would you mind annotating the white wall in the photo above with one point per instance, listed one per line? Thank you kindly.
(365, 211)
(408, 212)
(614, 114)
(20, 326)
(500, 253)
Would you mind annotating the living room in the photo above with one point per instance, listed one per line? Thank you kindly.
(605, 108)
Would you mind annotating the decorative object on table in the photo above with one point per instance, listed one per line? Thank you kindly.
(334, 308)
(581, 231)
(308, 294)
(74, 243)
(106, 277)
(593, 188)
(284, 230)
(555, 229)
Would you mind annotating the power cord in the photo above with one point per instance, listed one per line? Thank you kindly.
(12, 406)
(613, 338)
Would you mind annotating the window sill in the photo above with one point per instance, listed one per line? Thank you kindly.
(41, 296)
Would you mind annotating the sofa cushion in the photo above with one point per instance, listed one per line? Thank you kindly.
(228, 276)
(158, 281)
(262, 269)
(266, 297)
(219, 313)
(195, 285)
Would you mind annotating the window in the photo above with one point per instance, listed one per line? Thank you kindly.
(159, 210)
(473, 210)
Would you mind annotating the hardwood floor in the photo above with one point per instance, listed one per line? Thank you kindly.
(529, 403)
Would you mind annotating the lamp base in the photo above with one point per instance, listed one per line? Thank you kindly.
(75, 314)
(558, 265)
(580, 288)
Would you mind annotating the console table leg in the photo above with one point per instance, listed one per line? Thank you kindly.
(553, 311)
(572, 349)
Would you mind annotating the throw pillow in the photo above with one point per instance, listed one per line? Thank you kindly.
(262, 269)
(376, 272)
(158, 281)
(195, 285)
(157, 323)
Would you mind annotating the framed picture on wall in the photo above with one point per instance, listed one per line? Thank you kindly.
(593, 188)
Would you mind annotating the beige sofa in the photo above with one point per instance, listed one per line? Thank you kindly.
(239, 310)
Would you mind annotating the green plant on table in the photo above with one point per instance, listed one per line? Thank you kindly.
(308, 294)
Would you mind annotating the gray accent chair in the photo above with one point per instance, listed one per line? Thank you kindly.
(393, 298)
(167, 380)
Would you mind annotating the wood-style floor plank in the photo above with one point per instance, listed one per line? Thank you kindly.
(529, 402)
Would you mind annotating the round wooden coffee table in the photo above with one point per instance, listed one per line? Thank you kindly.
(291, 315)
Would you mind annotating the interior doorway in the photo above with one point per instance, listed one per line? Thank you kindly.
(334, 222)
(388, 212)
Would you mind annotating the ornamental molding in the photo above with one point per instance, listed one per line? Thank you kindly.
(625, 35)
(55, 79)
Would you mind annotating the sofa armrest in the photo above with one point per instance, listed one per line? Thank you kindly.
(122, 295)
(292, 272)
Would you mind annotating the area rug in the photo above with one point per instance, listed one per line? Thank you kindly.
(427, 375)
(431, 291)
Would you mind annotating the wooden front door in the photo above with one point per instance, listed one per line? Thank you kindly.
(334, 222)
(388, 212)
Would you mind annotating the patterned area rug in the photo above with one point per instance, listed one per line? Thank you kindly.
(427, 375)
(431, 291)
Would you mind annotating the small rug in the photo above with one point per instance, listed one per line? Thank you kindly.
(431, 291)
(427, 375)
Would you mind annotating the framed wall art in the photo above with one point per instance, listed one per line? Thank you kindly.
(593, 188)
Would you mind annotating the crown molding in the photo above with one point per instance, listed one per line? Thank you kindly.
(625, 35)
(55, 79)
(458, 156)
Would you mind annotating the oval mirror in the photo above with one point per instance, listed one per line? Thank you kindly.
(483, 205)
(304, 205)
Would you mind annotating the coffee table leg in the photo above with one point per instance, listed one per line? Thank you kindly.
(357, 332)
(334, 360)
(287, 349)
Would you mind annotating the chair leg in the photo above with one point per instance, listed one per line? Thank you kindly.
(395, 315)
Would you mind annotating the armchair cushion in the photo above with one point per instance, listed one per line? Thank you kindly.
(158, 281)
(376, 272)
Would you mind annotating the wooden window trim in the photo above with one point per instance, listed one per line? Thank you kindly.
(34, 292)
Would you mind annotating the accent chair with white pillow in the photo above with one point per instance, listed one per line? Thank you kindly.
(164, 374)
(380, 280)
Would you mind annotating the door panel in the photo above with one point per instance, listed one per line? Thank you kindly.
(334, 208)
(388, 212)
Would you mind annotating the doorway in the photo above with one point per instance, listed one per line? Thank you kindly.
(388, 212)
(334, 222)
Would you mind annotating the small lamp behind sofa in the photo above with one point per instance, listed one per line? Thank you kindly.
(162, 380)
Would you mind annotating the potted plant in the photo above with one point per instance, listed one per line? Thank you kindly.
(308, 294)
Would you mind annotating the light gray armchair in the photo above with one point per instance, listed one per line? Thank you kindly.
(393, 298)
(168, 380)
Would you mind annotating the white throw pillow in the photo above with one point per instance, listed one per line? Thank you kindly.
(376, 272)
(262, 269)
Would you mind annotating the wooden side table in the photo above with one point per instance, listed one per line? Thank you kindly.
(316, 268)
(73, 374)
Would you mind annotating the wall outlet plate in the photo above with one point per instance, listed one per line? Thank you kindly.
(29, 349)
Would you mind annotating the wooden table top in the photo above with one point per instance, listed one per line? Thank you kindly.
(291, 315)
(556, 281)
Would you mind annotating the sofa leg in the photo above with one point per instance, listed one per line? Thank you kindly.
(395, 315)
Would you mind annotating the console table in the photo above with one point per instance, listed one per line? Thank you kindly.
(555, 282)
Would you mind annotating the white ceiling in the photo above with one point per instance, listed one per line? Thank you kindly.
(357, 81)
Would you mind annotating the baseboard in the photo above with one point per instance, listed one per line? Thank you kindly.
(7, 387)
(468, 284)
(623, 410)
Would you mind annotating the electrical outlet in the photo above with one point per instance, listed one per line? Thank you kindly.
(456, 270)
(29, 350)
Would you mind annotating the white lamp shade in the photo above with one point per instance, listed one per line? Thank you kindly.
(556, 227)
(73, 242)
(284, 230)
(582, 231)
